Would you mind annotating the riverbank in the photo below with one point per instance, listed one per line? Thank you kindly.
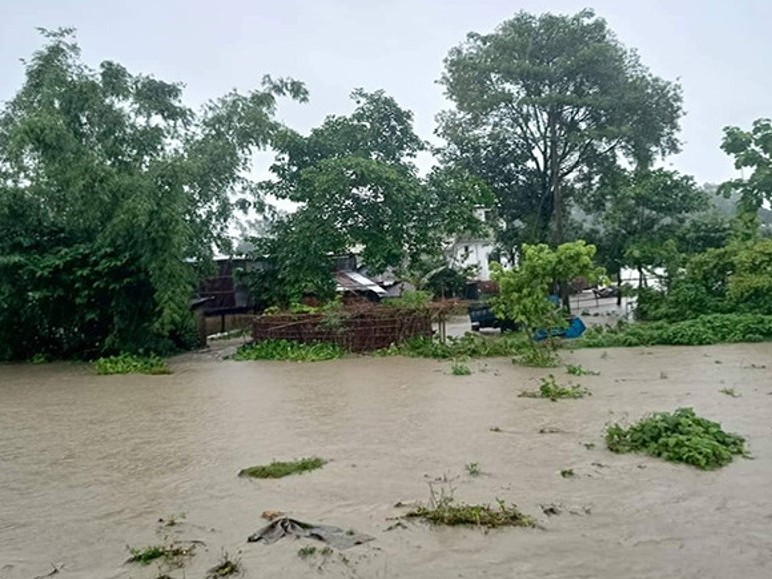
(88, 464)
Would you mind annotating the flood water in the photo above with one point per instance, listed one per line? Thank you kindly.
(88, 464)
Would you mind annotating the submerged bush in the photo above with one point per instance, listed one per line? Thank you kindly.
(131, 364)
(549, 388)
(470, 345)
(710, 329)
(678, 437)
(448, 512)
(278, 469)
(288, 350)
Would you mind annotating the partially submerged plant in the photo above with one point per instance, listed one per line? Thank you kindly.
(307, 551)
(473, 469)
(567, 472)
(278, 469)
(681, 436)
(549, 388)
(538, 357)
(578, 370)
(459, 368)
(131, 364)
(172, 553)
(288, 350)
(730, 392)
(226, 567)
(444, 510)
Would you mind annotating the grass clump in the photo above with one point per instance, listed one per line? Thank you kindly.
(730, 392)
(470, 345)
(173, 553)
(278, 469)
(444, 510)
(226, 567)
(549, 388)
(288, 350)
(703, 330)
(578, 370)
(460, 368)
(681, 436)
(307, 551)
(567, 473)
(537, 357)
(131, 364)
(473, 469)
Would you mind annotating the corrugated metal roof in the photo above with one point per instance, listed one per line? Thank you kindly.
(356, 282)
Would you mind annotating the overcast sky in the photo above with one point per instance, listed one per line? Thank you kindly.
(717, 48)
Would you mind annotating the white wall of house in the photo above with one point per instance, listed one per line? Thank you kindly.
(474, 252)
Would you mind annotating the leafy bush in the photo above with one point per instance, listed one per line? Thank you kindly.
(538, 357)
(447, 512)
(579, 370)
(460, 369)
(288, 350)
(678, 437)
(131, 364)
(549, 388)
(709, 329)
(470, 345)
(278, 469)
(410, 300)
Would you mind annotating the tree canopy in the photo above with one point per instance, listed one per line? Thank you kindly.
(111, 191)
(545, 102)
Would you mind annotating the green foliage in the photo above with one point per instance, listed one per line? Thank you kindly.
(172, 553)
(306, 552)
(751, 150)
(547, 101)
(473, 468)
(710, 329)
(579, 370)
(113, 194)
(549, 388)
(412, 300)
(524, 289)
(446, 511)
(357, 186)
(227, 566)
(470, 345)
(131, 364)
(567, 473)
(460, 368)
(730, 392)
(538, 356)
(732, 279)
(678, 437)
(288, 350)
(278, 469)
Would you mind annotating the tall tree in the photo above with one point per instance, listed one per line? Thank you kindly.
(110, 187)
(357, 187)
(546, 101)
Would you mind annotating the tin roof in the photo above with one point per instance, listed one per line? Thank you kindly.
(352, 281)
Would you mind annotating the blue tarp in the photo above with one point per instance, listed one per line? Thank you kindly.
(575, 329)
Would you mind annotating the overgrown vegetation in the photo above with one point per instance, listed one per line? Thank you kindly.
(278, 469)
(460, 368)
(549, 388)
(444, 510)
(579, 370)
(708, 329)
(470, 345)
(173, 553)
(288, 350)
(131, 364)
(227, 566)
(681, 436)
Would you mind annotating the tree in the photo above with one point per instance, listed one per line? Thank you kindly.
(524, 290)
(548, 101)
(751, 150)
(357, 187)
(641, 215)
(111, 193)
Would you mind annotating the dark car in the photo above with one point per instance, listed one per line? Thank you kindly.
(481, 316)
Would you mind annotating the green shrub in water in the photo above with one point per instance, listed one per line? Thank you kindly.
(131, 364)
(678, 437)
(288, 350)
(278, 469)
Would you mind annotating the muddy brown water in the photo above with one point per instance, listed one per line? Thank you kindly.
(89, 463)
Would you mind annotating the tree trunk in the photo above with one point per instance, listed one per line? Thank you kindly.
(619, 285)
(557, 204)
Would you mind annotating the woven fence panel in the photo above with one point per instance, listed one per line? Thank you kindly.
(356, 332)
